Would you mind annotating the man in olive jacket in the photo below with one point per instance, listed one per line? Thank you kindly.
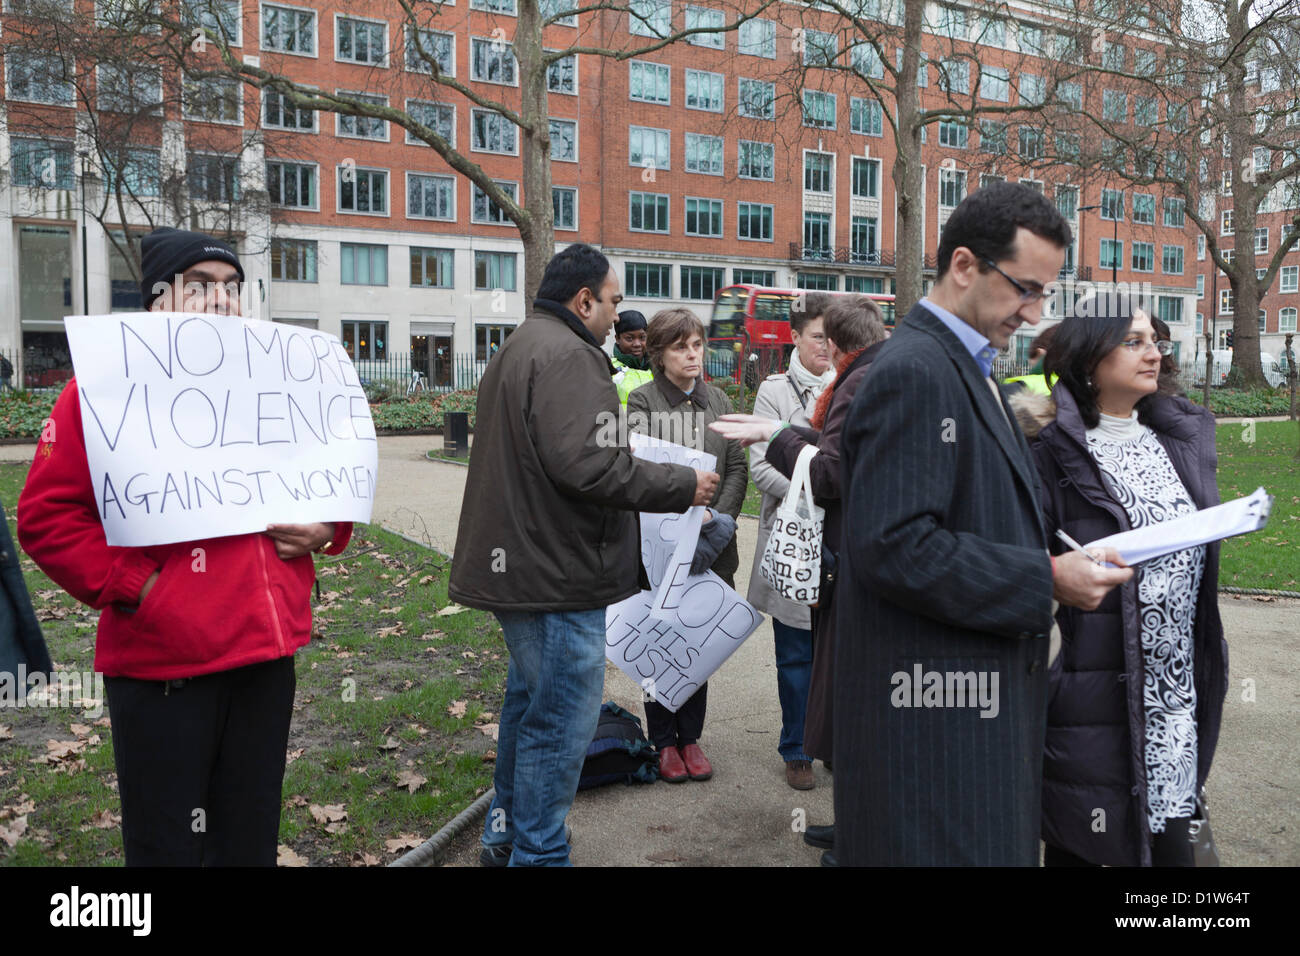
(548, 538)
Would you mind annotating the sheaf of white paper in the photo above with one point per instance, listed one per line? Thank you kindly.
(1199, 527)
(204, 426)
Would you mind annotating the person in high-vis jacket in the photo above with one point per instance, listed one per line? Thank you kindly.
(631, 361)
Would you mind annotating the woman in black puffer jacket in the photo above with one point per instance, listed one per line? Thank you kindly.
(1136, 693)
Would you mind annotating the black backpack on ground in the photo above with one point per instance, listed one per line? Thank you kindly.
(619, 752)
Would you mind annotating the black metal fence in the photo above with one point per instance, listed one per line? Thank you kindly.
(419, 371)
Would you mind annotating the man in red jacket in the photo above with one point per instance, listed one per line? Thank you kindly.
(196, 639)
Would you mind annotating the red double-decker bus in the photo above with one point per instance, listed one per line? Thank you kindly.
(749, 331)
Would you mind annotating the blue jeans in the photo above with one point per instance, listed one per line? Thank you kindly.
(553, 690)
(793, 677)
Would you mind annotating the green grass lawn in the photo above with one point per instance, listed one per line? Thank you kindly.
(392, 732)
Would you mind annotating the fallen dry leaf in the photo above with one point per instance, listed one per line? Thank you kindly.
(484, 717)
(411, 780)
(389, 744)
(11, 834)
(390, 610)
(427, 579)
(451, 609)
(489, 729)
(364, 859)
(81, 730)
(5, 733)
(489, 756)
(330, 813)
(103, 722)
(406, 841)
(336, 828)
(397, 630)
(456, 708)
(469, 655)
(293, 755)
(297, 800)
(284, 856)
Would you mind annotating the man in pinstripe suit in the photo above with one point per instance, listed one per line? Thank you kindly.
(947, 586)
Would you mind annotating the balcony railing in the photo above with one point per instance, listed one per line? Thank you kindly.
(847, 255)
(1082, 273)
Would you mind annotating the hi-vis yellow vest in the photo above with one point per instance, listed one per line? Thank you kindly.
(1033, 382)
(627, 379)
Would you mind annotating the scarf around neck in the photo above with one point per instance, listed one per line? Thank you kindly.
(805, 380)
(638, 362)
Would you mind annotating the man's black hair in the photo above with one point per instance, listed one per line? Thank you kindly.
(578, 267)
(986, 222)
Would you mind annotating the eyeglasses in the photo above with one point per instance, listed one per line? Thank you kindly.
(1027, 295)
(1164, 346)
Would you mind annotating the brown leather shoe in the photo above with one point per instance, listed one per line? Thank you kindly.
(799, 775)
(697, 765)
(671, 768)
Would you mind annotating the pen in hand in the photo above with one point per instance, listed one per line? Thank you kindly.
(1078, 547)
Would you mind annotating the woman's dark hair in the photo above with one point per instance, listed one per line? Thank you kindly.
(577, 267)
(985, 222)
(667, 327)
(1077, 348)
(806, 307)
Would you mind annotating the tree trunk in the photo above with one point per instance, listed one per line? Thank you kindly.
(909, 237)
(538, 229)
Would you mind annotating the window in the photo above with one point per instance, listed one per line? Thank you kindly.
(1261, 241)
(704, 217)
(867, 62)
(995, 83)
(291, 184)
(1200, 323)
(1144, 257)
(757, 99)
(492, 61)
(757, 38)
(1071, 95)
(817, 235)
(701, 282)
(564, 203)
(38, 79)
(1068, 147)
(288, 29)
(432, 268)
(1114, 106)
(954, 75)
(992, 31)
(212, 178)
(1174, 212)
(1263, 321)
(505, 7)
(140, 174)
(993, 137)
(753, 221)
(279, 113)
(760, 277)
(951, 23)
(648, 280)
(953, 133)
(1170, 308)
(1145, 111)
(650, 18)
(1067, 201)
(866, 284)
(489, 338)
(1144, 209)
(1263, 158)
(819, 109)
(702, 18)
(360, 41)
(756, 160)
(1290, 279)
(494, 270)
(425, 48)
(131, 89)
(366, 340)
(1171, 260)
(1031, 39)
(430, 197)
(1225, 301)
(1286, 320)
(648, 82)
(213, 100)
(989, 178)
(127, 16)
(363, 264)
(647, 147)
(866, 178)
(562, 75)
(865, 116)
(1144, 62)
(1200, 287)
(817, 282)
(704, 154)
(293, 260)
(1113, 57)
(362, 127)
(1200, 247)
(1228, 254)
(221, 18)
(647, 212)
(704, 91)
(862, 240)
(1032, 89)
(1112, 251)
(439, 117)
(819, 49)
(363, 190)
(1225, 223)
(42, 164)
(484, 209)
(818, 175)
(952, 186)
(1112, 204)
(1031, 143)
(564, 140)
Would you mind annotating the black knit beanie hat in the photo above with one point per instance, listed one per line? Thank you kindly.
(629, 321)
(167, 252)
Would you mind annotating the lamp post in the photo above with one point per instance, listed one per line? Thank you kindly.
(85, 269)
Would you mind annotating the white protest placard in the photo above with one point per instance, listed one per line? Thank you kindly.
(203, 426)
(671, 638)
